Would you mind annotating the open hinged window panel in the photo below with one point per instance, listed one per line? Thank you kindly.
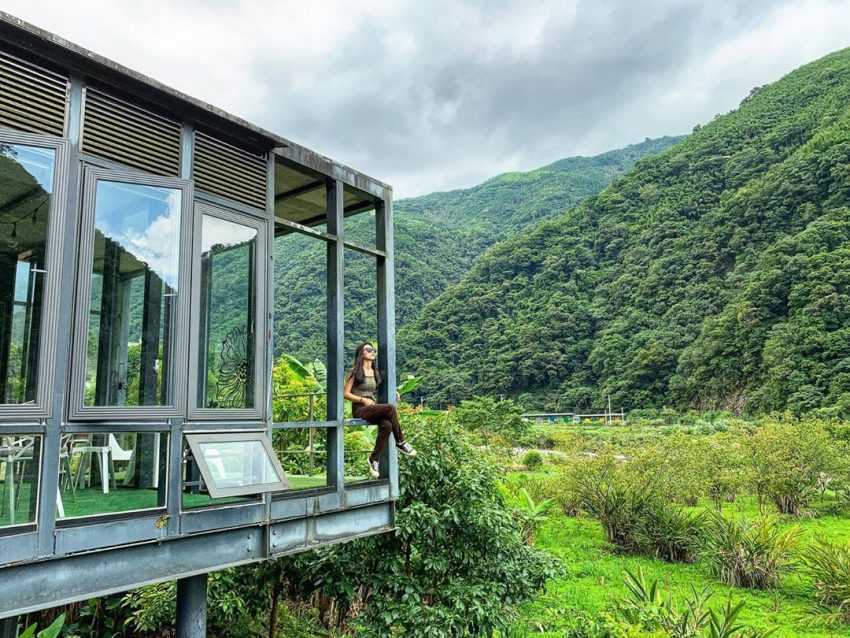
(237, 463)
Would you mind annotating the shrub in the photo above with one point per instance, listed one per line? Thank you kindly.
(456, 564)
(828, 566)
(532, 460)
(788, 460)
(668, 532)
(648, 609)
(490, 416)
(677, 461)
(608, 488)
(749, 554)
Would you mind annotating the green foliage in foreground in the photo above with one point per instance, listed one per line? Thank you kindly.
(828, 567)
(667, 493)
(456, 566)
(595, 577)
(716, 275)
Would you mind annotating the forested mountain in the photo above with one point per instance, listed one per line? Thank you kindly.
(716, 274)
(438, 236)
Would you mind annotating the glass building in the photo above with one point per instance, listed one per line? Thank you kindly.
(156, 423)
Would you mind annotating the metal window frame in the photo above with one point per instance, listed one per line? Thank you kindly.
(77, 408)
(196, 440)
(42, 407)
(257, 413)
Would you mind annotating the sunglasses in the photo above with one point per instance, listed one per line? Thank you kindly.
(369, 349)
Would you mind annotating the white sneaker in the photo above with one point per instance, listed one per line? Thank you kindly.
(405, 448)
(374, 469)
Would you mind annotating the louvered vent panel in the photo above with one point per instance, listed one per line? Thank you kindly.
(229, 171)
(116, 130)
(32, 99)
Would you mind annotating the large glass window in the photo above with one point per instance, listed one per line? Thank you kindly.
(227, 314)
(26, 189)
(134, 284)
(19, 471)
(111, 472)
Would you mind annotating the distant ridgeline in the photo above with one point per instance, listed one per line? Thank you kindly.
(713, 275)
(438, 236)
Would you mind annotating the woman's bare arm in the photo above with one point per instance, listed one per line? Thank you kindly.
(354, 398)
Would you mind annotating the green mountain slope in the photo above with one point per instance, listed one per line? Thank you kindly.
(716, 274)
(438, 236)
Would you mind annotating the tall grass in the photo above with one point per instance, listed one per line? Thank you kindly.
(828, 566)
(744, 553)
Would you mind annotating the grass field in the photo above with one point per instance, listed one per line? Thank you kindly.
(594, 574)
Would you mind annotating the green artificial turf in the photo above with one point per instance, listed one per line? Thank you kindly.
(91, 501)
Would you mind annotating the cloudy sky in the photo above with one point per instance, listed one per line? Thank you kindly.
(430, 95)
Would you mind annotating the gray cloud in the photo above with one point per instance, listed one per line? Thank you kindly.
(436, 95)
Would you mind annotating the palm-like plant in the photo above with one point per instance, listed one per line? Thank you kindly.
(531, 514)
(743, 553)
(828, 566)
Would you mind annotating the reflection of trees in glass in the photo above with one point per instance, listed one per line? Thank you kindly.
(227, 315)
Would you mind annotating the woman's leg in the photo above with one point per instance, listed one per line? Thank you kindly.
(385, 416)
(384, 429)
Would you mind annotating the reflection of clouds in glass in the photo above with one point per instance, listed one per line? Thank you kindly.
(145, 222)
(38, 162)
(223, 234)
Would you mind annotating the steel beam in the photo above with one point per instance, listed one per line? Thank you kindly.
(336, 333)
(386, 327)
(192, 607)
(30, 587)
(9, 627)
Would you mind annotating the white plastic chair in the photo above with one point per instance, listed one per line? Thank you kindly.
(106, 456)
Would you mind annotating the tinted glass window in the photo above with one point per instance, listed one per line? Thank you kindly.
(26, 187)
(134, 287)
(227, 314)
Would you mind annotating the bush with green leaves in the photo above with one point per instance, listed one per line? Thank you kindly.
(606, 489)
(745, 553)
(669, 532)
(456, 564)
(828, 568)
(788, 460)
(532, 460)
(487, 415)
(232, 609)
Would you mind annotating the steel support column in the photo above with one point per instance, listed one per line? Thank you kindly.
(192, 607)
(9, 627)
(336, 335)
(386, 325)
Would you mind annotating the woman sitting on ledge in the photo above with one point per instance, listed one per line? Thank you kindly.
(360, 387)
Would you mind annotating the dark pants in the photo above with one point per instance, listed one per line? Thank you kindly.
(385, 416)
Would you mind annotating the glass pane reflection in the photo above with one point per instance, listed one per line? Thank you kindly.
(134, 285)
(226, 365)
(238, 464)
(26, 186)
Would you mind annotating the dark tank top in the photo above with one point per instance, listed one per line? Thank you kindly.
(365, 389)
